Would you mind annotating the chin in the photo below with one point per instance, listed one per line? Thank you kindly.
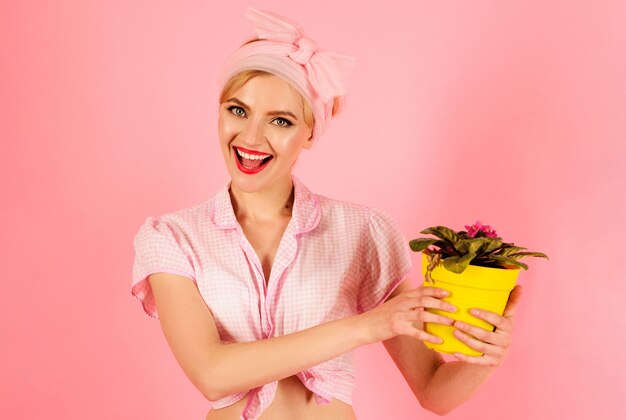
(252, 185)
(246, 184)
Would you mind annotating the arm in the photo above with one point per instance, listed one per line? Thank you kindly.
(441, 386)
(218, 369)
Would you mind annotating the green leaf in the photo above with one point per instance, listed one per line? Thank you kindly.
(430, 231)
(447, 250)
(508, 261)
(458, 264)
(519, 255)
(508, 250)
(462, 246)
(442, 232)
(483, 244)
(421, 244)
(492, 245)
(463, 235)
(470, 246)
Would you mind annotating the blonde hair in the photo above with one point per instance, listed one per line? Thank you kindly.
(240, 79)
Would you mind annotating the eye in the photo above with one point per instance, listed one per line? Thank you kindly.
(282, 122)
(237, 110)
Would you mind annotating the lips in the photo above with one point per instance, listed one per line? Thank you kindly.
(252, 161)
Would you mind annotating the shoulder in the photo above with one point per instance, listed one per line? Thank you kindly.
(190, 214)
(181, 222)
(342, 212)
(342, 215)
(332, 206)
(356, 218)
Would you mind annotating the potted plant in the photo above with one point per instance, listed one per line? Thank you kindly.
(479, 270)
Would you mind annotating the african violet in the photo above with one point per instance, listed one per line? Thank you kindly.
(480, 245)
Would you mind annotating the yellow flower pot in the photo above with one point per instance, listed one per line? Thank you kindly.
(476, 287)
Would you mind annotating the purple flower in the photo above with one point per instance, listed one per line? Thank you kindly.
(479, 227)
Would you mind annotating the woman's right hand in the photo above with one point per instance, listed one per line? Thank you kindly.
(404, 314)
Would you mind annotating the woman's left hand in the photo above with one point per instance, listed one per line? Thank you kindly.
(494, 344)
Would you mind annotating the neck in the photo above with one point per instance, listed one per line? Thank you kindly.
(263, 206)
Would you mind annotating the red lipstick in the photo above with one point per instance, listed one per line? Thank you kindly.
(250, 152)
(249, 171)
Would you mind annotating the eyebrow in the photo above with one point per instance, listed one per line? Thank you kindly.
(272, 113)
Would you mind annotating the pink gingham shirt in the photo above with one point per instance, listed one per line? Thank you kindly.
(335, 260)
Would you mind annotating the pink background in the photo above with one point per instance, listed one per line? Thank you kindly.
(508, 112)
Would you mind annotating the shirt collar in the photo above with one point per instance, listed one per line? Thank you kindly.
(306, 212)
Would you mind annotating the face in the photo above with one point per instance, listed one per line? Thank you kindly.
(262, 131)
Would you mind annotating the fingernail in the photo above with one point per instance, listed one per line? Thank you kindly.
(475, 312)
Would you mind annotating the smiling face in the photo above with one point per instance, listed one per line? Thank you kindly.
(262, 130)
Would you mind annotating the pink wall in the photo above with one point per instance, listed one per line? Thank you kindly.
(509, 112)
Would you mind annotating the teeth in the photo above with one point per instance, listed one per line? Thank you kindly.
(251, 157)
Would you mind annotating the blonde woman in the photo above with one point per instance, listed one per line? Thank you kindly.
(264, 290)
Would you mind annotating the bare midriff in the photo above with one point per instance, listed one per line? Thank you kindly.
(292, 401)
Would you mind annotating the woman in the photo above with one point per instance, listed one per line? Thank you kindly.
(264, 290)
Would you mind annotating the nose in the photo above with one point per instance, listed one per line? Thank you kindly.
(253, 133)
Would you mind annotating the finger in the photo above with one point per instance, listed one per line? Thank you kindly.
(496, 338)
(476, 360)
(499, 322)
(432, 303)
(422, 335)
(425, 316)
(514, 298)
(428, 291)
(480, 346)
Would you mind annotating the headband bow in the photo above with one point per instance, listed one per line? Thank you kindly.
(328, 71)
(282, 50)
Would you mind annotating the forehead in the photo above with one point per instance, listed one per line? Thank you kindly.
(270, 91)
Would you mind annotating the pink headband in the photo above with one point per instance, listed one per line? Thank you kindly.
(282, 50)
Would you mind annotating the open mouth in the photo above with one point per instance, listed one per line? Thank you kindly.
(251, 162)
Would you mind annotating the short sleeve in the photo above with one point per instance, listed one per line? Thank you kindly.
(387, 261)
(159, 247)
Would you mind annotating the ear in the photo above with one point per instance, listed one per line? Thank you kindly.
(309, 143)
